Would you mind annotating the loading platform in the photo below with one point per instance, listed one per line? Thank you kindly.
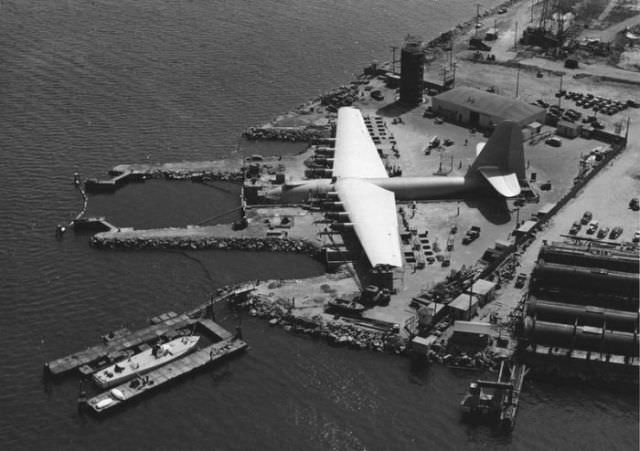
(167, 373)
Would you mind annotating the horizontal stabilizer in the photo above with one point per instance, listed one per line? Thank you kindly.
(503, 182)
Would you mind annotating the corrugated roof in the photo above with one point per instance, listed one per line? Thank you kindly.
(463, 302)
(526, 227)
(490, 104)
(474, 327)
(482, 286)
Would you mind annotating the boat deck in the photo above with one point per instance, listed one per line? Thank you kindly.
(167, 373)
(118, 344)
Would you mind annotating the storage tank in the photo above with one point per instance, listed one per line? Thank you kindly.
(587, 315)
(584, 338)
(571, 255)
(548, 276)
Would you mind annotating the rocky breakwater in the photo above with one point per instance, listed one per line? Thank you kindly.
(144, 239)
(227, 170)
(305, 133)
(336, 331)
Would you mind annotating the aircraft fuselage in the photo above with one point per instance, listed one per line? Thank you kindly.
(404, 188)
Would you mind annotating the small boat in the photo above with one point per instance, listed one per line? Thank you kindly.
(346, 306)
(144, 361)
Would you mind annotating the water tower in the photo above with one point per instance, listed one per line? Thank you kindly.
(411, 71)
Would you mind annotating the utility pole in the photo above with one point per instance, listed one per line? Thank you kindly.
(393, 58)
(626, 133)
(532, 3)
(515, 37)
(475, 34)
(560, 92)
(517, 81)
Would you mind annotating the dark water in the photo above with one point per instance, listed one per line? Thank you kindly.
(85, 85)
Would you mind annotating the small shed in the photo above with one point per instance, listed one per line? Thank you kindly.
(535, 127)
(484, 290)
(568, 129)
(545, 210)
(525, 228)
(491, 34)
(474, 333)
(464, 307)
(422, 345)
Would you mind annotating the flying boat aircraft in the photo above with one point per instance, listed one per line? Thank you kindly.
(369, 195)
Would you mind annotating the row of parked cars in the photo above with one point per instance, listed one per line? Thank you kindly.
(596, 103)
(593, 227)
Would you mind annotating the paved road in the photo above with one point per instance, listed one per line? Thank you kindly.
(606, 195)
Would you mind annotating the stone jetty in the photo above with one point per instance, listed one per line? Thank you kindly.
(194, 238)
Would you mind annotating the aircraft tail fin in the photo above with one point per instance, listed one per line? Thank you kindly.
(501, 160)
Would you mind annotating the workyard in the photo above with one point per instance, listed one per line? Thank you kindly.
(466, 260)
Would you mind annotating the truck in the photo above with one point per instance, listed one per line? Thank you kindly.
(520, 280)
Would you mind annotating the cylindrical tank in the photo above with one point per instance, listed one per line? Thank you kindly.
(549, 334)
(587, 315)
(585, 338)
(550, 276)
(567, 255)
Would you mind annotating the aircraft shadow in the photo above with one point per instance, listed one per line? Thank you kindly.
(395, 109)
(494, 209)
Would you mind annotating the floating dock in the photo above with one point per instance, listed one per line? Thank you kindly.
(112, 348)
(123, 343)
(167, 373)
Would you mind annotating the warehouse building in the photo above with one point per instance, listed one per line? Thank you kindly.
(482, 109)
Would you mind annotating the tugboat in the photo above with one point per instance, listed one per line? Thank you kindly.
(144, 361)
(502, 404)
(477, 401)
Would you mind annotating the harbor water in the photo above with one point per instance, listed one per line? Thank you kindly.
(87, 85)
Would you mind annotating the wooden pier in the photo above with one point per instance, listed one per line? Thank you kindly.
(167, 373)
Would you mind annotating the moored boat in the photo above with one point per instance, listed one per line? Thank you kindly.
(144, 361)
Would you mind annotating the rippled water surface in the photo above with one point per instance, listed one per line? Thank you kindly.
(86, 85)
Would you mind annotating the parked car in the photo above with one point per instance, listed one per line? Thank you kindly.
(615, 232)
(575, 228)
(593, 226)
(586, 217)
(636, 236)
(553, 142)
(603, 232)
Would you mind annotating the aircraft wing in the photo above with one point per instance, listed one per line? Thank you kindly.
(503, 182)
(355, 153)
(372, 210)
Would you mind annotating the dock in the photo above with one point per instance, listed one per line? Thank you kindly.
(92, 224)
(115, 182)
(114, 347)
(121, 344)
(133, 389)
